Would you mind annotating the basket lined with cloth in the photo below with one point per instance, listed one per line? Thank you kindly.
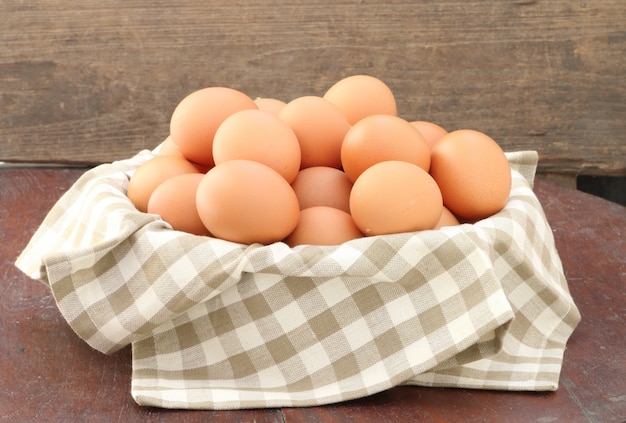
(219, 325)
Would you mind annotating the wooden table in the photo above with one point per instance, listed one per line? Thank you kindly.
(48, 374)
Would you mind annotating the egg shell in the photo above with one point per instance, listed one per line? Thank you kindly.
(395, 196)
(247, 202)
(196, 118)
(381, 138)
(175, 201)
(322, 225)
(320, 127)
(322, 186)
(260, 136)
(268, 104)
(168, 148)
(472, 172)
(358, 96)
(431, 132)
(151, 174)
(447, 219)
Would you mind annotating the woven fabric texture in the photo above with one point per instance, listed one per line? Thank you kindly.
(219, 325)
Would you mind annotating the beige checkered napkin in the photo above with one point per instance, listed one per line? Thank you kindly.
(218, 325)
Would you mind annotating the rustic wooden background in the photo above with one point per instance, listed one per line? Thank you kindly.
(95, 81)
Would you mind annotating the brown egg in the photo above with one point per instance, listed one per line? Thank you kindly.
(431, 132)
(247, 202)
(175, 201)
(260, 136)
(196, 118)
(447, 219)
(323, 226)
(320, 127)
(168, 148)
(150, 175)
(395, 196)
(472, 172)
(268, 104)
(358, 96)
(322, 186)
(380, 138)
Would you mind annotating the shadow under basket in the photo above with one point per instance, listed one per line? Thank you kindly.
(219, 325)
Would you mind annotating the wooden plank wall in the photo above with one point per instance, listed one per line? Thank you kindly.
(95, 81)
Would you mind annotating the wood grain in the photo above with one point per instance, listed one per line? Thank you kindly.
(48, 374)
(92, 81)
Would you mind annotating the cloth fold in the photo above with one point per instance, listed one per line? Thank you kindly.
(218, 325)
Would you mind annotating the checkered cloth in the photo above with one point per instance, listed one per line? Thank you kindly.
(219, 325)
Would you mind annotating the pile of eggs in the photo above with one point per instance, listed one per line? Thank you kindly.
(316, 170)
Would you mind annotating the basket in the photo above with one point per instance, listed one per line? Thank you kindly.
(219, 325)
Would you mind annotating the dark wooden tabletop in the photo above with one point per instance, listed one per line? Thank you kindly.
(48, 374)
